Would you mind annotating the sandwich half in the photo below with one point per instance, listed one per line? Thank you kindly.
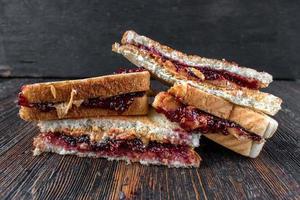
(118, 94)
(236, 84)
(238, 128)
(146, 139)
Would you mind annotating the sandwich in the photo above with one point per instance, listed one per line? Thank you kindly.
(235, 127)
(106, 117)
(217, 98)
(227, 80)
(149, 139)
(118, 94)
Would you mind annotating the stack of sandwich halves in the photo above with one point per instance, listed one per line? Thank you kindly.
(105, 117)
(109, 116)
(217, 98)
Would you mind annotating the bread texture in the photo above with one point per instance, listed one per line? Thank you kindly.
(247, 148)
(139, 106)
(253, 121)
(153, 127)
(253, 99)
(131, 37)
(103, 86)
(41, 146)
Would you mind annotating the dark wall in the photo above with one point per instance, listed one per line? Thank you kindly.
(73, 38)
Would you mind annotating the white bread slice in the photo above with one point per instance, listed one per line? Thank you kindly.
(253, 121)
(253, 99)
(244, 147)
(102, 86)
(154, 127)
(241, 145)
(42, 146)
(131, 37)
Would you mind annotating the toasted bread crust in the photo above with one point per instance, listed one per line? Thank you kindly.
(253, 99)
(209, 103)
(131, 37)
(244, 147)
(250, 120)
(138, 107)
(103, 86)
(253, 121)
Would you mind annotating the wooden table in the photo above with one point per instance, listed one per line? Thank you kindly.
(275, 174)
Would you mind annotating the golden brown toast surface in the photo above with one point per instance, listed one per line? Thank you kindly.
(103, 86)
(243, 147)
(250, 120)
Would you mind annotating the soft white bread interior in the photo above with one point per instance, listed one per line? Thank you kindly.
(131, 37)
(244, 147)
(154, 127)
(42, 146)
(253, 121)
(253, 99)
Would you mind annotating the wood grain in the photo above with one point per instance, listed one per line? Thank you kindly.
(62, 38)
(275, 174)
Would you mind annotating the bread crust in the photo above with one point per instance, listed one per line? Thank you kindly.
(209, 103)
(131, 37)
(253, 99)
(253, 121)
(250, 120)
(103, 86)
(247, 148)
(138, 107)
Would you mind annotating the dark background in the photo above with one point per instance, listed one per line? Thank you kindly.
(73, 38)
(46, 40)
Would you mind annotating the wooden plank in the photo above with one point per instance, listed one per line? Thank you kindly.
(60, 38)
(223, 174)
